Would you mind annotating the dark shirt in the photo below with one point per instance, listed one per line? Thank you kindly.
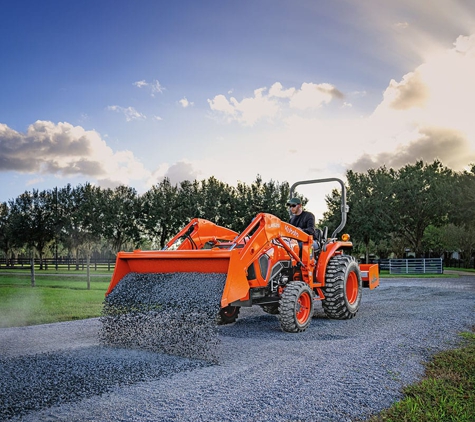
(305, 221)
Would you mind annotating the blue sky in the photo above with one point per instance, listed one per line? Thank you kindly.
(129, 92)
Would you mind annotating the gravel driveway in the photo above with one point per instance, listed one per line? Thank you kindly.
(334, 371)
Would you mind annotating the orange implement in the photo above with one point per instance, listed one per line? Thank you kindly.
(370, 275)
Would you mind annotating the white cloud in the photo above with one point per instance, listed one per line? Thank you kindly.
(277, 91)
(220, 103)
(176, 173)
(65, 150)
(424, 114)
(247, 111)
(465, 45)
(412, 91)
(181, 171)
(140, 84)
(156, 87)
(250, 110)
(267, 104)
(153, 87)
(313, 95)
(129, 112)
(185, 103)
(431, 106)
(401, 25)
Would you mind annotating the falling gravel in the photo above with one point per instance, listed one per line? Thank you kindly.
(334, 371)
(169, 313)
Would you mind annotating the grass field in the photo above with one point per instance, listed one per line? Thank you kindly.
(446, 393)
(54, 298)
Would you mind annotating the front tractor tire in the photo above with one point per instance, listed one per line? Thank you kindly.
(228, 315)
(296, 307)
(343, 288)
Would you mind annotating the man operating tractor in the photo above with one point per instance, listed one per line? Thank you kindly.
(300, 218)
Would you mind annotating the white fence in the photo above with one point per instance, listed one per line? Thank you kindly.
(416, 266)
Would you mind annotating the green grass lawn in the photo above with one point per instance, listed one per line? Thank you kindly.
(446, 393)
(53, 299)
(465, 270)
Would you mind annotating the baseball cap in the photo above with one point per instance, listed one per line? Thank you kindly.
(294, 201)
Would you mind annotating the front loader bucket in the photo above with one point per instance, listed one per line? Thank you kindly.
(186, 261)
(166, 301)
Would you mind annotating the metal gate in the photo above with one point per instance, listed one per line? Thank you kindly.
(416, 266)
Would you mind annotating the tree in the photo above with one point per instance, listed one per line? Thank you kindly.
(33, 222)
(6, 236)
(434, 241)
(461, 239)
(217, 202)
(369, 199)
(78, 217)
(332, 217)
(270, 197)
(188, 200)
(462, 198)
(120, 211)
(421, 199)
(369, 196)
(157, 216)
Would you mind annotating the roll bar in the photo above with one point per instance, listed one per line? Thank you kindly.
(344, 207)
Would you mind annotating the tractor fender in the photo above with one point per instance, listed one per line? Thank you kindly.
(332, 249)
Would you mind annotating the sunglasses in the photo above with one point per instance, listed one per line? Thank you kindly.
(292, 205)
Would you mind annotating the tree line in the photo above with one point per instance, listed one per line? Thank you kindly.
(426, 208)
(78, 221)
(423, 207)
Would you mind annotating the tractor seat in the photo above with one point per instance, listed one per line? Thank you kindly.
(318, 242)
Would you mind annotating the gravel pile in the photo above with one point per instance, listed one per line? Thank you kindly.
(29, 383)
(334, 371)
(169, 313)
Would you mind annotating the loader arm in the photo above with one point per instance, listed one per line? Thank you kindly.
(188, 256)
(198, 233)
(257, 237)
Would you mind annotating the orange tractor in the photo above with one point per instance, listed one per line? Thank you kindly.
(271, 264)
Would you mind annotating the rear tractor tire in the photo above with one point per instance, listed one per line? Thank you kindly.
(228, 315)
(343, 288)
(296, 307)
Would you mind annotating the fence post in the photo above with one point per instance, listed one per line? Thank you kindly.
(32, 269)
